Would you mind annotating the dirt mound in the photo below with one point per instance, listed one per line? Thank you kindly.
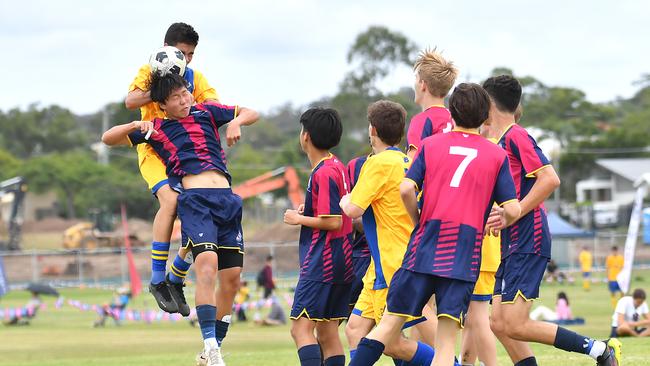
(49, 224)
(277, 232)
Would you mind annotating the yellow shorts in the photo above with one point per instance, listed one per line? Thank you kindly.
(484, 286)
(372, 304)
(152, 168)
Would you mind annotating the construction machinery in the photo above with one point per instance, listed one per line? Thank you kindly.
(270, 181)
(96, 234)
(12, 196)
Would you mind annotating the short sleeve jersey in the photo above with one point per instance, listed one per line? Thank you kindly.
(198, 86)
(586, 260)
(359, 243)
(530, 234)
(433, 120)
(190, 145)
(386, 223)
(326, 256)
(461, 175)
(614, 265)
(626, 307)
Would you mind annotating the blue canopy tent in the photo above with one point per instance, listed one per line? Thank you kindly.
(562, 229)
(565, 236)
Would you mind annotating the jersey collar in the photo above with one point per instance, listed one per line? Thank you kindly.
(329, 156)
(465, 130)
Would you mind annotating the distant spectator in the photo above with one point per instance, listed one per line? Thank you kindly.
(114, 309)
(553, 273)
(561, 315)
(27, 312)
(614, 265)
(276, 316)
(586, 261)
(243, 295)
(265, 277)
(630, 318)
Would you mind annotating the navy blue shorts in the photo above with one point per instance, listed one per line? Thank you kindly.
(320, 301)
(520, 275)
(360, 265)
(410, 291)
(211, 221)
(586, 274)
(614, 287)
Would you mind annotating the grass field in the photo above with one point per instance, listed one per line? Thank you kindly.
(66, 337)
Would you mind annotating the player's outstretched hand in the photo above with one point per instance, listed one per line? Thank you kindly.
(496, 221)
(291, 217)
(145, 127)
(233, 133)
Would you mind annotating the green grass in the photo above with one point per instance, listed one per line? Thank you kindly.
(65, 336)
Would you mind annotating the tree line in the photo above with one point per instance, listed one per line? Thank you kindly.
(53, 148)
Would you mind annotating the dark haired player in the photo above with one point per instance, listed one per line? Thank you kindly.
(526, 245)
(168, 293)
(188, 142)
(322, 294)
(460, 175)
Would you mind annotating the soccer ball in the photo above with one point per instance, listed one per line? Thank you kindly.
(167, 60)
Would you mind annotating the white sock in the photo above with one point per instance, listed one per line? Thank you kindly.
(210, 343)
(597, 349)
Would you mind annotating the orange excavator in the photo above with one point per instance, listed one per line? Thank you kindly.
(270, 181)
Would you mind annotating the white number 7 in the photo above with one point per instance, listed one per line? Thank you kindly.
(469, 154)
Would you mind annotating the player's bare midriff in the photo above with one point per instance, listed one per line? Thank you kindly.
(206, 179)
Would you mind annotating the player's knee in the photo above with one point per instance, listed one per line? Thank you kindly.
(297, 331)
(517, 330)
(206, 273)
(168, 201)
(352, 332)
(496, 326)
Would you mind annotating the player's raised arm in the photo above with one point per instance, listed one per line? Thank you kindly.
(129, 133)
(245, 117)
(137, 98)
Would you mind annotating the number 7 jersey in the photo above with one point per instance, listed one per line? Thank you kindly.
(460, 175)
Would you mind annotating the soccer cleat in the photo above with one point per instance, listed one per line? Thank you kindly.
(612, 354)
(163, 296)
(214, 357)
(201, 359)
(176, 290)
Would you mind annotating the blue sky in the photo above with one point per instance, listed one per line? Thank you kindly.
(83, 54)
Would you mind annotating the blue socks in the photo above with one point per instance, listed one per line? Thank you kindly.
(423, 356)
(159, 255)
(530, 361)
(178, 270)
(572, 341)
(309, 355)
(367, 353)
(207, 315)
(338, 360)
(220, 329)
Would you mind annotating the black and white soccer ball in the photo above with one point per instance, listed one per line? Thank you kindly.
(168, 60)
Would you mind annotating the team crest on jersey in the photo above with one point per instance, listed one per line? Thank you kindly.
(240, 238)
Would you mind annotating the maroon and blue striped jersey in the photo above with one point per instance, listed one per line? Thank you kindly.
(461, 175)
(432, 121)
(326, 256)
(530, 234)
(190, 145)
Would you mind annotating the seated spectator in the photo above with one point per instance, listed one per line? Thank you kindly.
(276, 316)
(115, 308)
(243, 295)
(630, 318)
(561, 315)
(27, 312)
